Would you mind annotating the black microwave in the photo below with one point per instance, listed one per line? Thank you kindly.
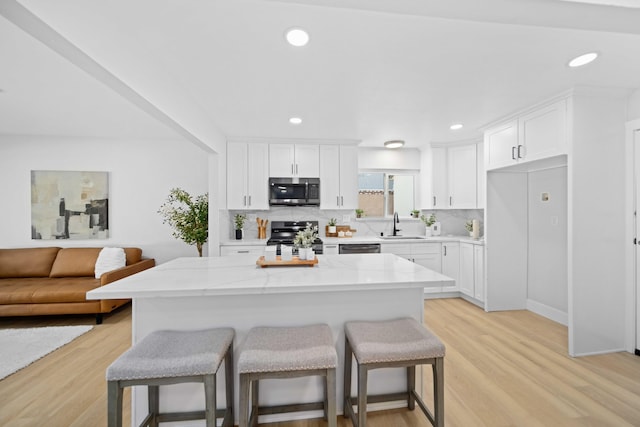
(294, 191)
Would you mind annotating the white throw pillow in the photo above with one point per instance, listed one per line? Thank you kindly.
(110, 259)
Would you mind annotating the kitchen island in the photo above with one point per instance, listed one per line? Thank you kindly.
(198, 293)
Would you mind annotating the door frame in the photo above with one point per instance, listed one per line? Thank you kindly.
(631, 308)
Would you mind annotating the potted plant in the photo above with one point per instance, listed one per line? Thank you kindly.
(415, 213)
(332, 225)
(359, 213)
(469, 226)
(303, 241)
(428, 222)
(188, 216)
(239, 220)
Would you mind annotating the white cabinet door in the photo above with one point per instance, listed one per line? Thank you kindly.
(478, 272)
(257, 176)
(307, 161)
(451, 264)
(542, 133)
(247, 176)
(281, 160)
(236, 176)
(428, 255)
(466, 269)
(462, 177)
(338, 177)
(500, 145)
(289, 160)
(348, 177)
(439, 191)
(481, 184)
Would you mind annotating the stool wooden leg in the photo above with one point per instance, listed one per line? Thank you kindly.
(438, 392)
(210, 399)
(244, 401)
(362, 395)
(348, 356)
(153, 393)
(114, 404)
(411, 386)
(229, 379)
(255, 390)
(330, 406)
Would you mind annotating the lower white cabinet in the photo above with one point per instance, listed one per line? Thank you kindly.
(242, 250)
(451, 264)
(330, 249)
(472, 270)
(426, 254)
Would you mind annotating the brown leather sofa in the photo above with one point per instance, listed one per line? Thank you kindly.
(52, 280)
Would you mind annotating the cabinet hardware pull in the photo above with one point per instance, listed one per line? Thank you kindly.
(450, 201)
(341, 201)
(244, 203)
(249, 200)
(513, 153)
(291, 168)
(337, 200)
(296, 169)
(434, 200)
(445, 250)
(519, 153)
(243, 252)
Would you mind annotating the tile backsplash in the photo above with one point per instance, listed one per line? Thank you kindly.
(452, 221)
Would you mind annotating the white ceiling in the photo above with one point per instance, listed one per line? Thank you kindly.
(374, 69)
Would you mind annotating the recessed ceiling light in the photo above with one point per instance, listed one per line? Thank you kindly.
(456, 126)
(297, 37)
(583, 59)
(394, 144)
(295, 120)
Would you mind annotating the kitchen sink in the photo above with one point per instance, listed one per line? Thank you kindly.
(401, 237)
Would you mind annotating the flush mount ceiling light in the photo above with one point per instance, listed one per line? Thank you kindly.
(583, 59)
(394, 144)
(456, 126)
(297, 37)
(295, 120)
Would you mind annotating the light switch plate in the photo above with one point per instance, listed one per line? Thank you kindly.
(346, 218)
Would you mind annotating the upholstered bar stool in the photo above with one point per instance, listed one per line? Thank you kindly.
(286, 352)
(172, 357)
(387, 344)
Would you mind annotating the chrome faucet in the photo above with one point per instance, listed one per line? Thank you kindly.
(396, 220)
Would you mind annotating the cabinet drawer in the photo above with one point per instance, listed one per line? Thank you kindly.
(397, 249)
(241, 250)
(425, 248)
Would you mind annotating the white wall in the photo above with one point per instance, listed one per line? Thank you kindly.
(141, 173)
(547, 289)
(384, 158)
(633, 106)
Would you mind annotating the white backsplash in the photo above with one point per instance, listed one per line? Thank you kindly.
(452, 221)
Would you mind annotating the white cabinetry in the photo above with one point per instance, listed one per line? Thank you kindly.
(454, 177)
(426, 254)
(472, 270)
(451, 264)
(539, 134)
(241, 250)
(289, 160)
(247, 176)
(330, 249)
(338, 177)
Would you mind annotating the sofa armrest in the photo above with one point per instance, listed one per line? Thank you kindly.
(112, 276)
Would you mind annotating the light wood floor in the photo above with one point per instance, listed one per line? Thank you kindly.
(501, 369)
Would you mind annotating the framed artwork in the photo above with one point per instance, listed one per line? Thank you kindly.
(69, 205)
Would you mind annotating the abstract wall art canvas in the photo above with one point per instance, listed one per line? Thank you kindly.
(69, 205)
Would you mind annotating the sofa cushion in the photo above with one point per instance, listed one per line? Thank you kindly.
(109, 259)
(75, 262)
(38, 290)
(27, 262)
(133, 255)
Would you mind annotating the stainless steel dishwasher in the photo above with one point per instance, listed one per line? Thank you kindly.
(359, 248)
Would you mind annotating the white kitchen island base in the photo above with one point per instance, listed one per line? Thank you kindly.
(198, 293)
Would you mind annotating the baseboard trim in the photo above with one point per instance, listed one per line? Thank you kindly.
(548, 312)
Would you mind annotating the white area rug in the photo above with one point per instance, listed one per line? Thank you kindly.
(21, 347)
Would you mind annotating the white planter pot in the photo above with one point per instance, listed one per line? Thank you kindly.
(428, 232)
(302, 253)
(332, 229)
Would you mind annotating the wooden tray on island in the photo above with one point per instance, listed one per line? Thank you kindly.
(295, 262)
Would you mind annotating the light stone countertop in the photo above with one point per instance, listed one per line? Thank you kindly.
(366, 239)
(239, 275)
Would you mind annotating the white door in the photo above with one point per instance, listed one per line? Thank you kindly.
(462, 177)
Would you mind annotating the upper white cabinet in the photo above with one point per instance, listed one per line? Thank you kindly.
(290, 160)
(454, 178)
(247, 176)
(338, 177)
(535, 135)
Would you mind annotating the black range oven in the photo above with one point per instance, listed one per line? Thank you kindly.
(283, 233)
